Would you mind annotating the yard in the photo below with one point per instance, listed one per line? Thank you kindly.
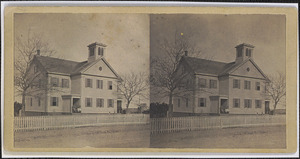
(242, 137)
(121, 136)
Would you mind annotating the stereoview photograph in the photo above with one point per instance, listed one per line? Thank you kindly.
(149, 81)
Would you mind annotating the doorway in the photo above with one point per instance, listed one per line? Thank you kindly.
(224, 106)
(267, 107)
(119, 106)
(76, 108)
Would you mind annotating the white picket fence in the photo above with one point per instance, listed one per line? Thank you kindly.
(69, 121)
(164, 125)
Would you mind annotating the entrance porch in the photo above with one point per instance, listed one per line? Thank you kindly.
(72, 103)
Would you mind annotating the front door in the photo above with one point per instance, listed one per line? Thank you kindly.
(119, 106)
(267, 107)
(224, 106)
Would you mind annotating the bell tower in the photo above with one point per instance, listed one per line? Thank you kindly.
(243, 52)
(96, 50)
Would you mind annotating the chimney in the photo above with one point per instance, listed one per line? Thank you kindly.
(38, 52)
(186, 53)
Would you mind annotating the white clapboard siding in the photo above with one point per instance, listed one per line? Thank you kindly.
(67, 121)
(163, 125)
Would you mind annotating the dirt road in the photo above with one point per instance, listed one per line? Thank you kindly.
(246, 137)
(126, 136)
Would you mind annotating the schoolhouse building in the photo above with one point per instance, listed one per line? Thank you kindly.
(212, 87)
(67, 87)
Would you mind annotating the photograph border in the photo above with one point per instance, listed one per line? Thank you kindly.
(291, 71)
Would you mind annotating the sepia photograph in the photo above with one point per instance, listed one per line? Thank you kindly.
(75, 82)
(217, 81)
(150, 81)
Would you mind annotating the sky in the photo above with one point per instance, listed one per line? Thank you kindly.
(126, 37)
(217, 35)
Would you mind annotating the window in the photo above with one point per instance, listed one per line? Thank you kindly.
(39, 101)
(212, 83)
(202, 83)
(239, 52)
(110, 87)
(202, 102)
(187, 102)
(247, 85)
(236, 83)
(54, 101)
(54, 82)
(110, 103)
(100, 84)
(100, 51)
(178, 102)
(92, 51)
(30, 101)
(89, 83)
(247, 103)
(65, 83)
(257, 87)
(88, 102)
(100, 102)
(257, 103)
(236, 103)
(248, 52)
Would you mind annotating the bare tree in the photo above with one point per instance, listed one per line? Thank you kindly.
(165, 78)
(276, 88)
(133, 84)
(25, 50)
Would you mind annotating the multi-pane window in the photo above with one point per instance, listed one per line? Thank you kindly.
(257, 86)
(54, 82)
(88, 102)
(247, 103)
(187, 102)
(100, 102)
(110, 86)
(212, 83)
(202, 102)
(65, 83)
(247, 85)
(100, 84)
(178, 102)
(257, 103)
(92, 51)
(236, 83)
(236, 103)
(202, 83)
(54, 101)
(89, 83)
(110, 103)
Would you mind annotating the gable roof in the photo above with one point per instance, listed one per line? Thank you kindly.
(199, 65)
(56, 65)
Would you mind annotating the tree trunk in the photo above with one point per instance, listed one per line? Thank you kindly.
(274, 110)
(170, 110)
(22, 110)
(127, 105)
